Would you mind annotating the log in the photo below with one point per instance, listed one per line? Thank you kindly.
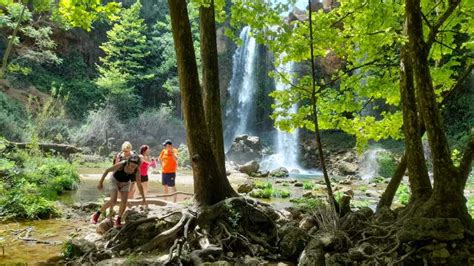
(62, 149)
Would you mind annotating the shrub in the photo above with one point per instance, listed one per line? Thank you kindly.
(263, 185)
(387, 164)
(308, 185)
(306, 204)
(403, 194)
(28, 188)
(12, 117)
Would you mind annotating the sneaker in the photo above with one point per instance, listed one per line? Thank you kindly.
(95, 218)
(118, 222)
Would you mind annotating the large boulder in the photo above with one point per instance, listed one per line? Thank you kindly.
(246, 187)
(280, 172)
(249, 167)
(292, 241)
(245, 148)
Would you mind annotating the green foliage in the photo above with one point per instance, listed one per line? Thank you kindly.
(263, 184)
(265, 190)
(403, 194)
(31, 183)
(357, 75)
(12, 118)
(264, 193)
(307, 204)
(308, 185)
(122, 69)
(470, 206)
(360, 203)
(387, 164)
(72, 78)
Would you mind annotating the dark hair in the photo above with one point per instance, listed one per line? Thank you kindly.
(143, 149)
(167, 142)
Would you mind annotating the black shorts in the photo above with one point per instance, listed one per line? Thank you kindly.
(144, 178)
(167, 179)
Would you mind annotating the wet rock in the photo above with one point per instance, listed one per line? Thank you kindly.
(292, 242)
(334, 241)
(313, 254)
(246, 187)
(442, 229)
(88, 206)
(347, 168)
(249, 167)
(251, 261)
(131, 215)
(298, 184)
(307, 223)
(308, 194)
(280, 172)
(245, 148)
(79, 247)
(261, 174)
(355, 221)
(104, 226)
(109, 234)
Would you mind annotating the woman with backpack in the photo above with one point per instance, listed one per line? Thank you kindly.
(123, 172)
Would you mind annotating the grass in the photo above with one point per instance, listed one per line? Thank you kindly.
(306, 204)
(308, 185)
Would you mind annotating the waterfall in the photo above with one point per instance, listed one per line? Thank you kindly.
(369, 167)
(286, 147)
(242, 88)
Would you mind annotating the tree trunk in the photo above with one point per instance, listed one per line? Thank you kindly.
(447, 199)
(389, 193)
(210, 83)
(417, 171)
(315, 116)
(210, 186)
(6, 55)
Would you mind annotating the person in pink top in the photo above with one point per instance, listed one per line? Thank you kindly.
(147, 162)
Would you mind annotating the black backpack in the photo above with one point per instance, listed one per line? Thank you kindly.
(120, 157)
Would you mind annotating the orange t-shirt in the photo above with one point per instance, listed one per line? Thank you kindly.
(168, 163)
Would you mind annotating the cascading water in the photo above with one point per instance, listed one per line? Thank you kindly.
(369, 167)
(285, 143)
(242, 88)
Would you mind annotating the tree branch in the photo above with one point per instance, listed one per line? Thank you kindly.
(435, 28)
(458, 83)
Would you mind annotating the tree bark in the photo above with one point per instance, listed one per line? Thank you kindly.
(210, 83)
(420, 184)
(210, 186)
(389, 193)
(6, 55)
(447, 199)
(315, 116)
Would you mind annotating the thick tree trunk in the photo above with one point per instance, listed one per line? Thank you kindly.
(210, 83)
(210, 186)
(417, 171)
(447, 199)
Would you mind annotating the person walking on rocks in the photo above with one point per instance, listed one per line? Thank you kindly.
(147, 162)
(120, 183)
(168, 159)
